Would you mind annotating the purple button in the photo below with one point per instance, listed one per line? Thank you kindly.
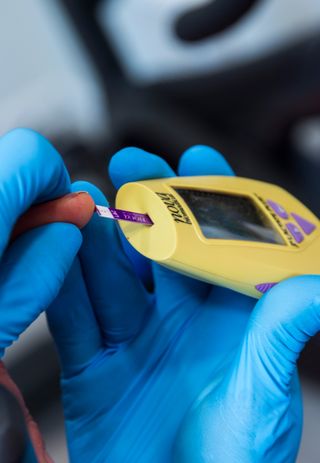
(278, 209)
(306, 226)
(295, 232)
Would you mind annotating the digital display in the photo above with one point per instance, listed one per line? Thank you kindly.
(229, 217)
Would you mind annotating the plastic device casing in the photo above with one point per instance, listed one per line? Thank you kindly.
(177, 241)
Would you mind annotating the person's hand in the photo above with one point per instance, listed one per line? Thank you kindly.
(177, 374)
(34, 263)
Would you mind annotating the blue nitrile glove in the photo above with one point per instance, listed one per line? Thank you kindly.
(33, 267)
(177, 375)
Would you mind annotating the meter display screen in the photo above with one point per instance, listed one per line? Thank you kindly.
(229, 217)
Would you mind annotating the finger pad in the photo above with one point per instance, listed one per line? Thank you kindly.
(203, 160)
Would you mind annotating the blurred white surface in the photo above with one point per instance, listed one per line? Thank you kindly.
(310, 446)
(150, 50)
(52, 427)
(31, 340)
(306, 138)
(47, 82)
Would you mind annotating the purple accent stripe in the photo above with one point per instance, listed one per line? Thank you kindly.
(264, 287)
(136, 217)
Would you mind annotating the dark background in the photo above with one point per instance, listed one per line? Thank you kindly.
(94, 76)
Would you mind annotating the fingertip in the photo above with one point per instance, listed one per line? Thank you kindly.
(50, 242)
(29, 139)
(293, 299)
(122, 165)
(296, 288)
(132, 164)
(33, 171)
(203, 160)
(126, 155)
(31, 146)
(45, 254)
(64, 240)
(79, 208)
(72, 235)
(94, 192)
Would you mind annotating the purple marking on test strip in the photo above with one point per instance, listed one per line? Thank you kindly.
(136, 217)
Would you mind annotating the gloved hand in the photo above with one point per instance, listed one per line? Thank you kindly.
(32, 267)
(185, 373)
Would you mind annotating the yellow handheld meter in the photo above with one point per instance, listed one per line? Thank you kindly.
(239, 233)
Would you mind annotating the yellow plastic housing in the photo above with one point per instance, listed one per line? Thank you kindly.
(177, 241)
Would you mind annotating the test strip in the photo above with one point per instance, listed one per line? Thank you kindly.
(119, 214)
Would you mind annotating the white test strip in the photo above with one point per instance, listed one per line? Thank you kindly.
(104, 211)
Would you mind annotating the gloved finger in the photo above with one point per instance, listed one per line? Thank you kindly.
(260, 398)
(129, 165)
(118, 297)
(31, 171)
(73, 324)
(197, 160)
(133, 164)
(76, 208)
(203, 160)
(279, 327)
(262, 390)
(31, 273)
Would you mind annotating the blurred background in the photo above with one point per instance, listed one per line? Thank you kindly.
(96, 75)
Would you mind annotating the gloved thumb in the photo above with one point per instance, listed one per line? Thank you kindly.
(255, 408)
(260, 399)
(279, 327)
